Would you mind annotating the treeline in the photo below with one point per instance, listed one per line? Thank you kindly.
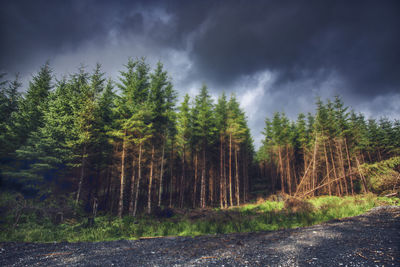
(322, 153)
(123, 147)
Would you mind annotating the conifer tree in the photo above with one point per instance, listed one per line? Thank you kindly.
(47, 151)
(157, 101)
(10, 98)
(184, 133)
(34, 104)
(134, 85)
(236, 130)
(221, 111)
(203, 131)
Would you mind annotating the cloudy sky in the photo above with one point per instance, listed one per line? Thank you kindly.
(274, 55)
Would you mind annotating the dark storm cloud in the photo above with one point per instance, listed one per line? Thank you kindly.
(298, 39)
(34, 30)
(42, 25)
(295, 39)
(275, 55)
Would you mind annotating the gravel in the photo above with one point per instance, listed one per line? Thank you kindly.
(372, 239)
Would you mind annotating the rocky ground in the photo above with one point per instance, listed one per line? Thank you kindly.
(372, 239)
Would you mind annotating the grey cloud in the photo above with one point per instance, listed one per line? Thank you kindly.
(312, 47)
(298, 39)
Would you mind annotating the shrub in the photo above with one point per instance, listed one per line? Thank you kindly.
(296, 205)
(384, 176)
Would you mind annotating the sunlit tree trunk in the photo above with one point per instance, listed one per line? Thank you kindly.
(338, 189)
(349, 167)
(225, 177)
(327, 171)
(314, 175)
(364, 182)
(122, 179)
(132, 187)
(221, 177)
(288, 171)
(203, 181)
(138, 179)
(230, 171)
(339, 148)
(150, 181)
(237, 195)
(160, 192)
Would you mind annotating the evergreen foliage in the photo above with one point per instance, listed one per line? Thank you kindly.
(125, 147)
(325, 154)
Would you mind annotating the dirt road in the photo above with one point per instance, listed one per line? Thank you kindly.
(372, 239)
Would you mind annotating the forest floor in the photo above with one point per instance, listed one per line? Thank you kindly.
(371, 239)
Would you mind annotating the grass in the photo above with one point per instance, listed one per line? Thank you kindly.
(267, 215)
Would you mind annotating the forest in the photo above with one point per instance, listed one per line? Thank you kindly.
(123, 147)
(336, 151)
(127, 147)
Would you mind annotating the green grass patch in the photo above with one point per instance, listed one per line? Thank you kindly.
(268, 215)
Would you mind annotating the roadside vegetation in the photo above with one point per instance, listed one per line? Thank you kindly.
(264, 215)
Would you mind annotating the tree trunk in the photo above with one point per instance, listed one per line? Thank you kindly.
(203, 181)
(289, 177)
(327, 170)
(237, 176)
(245, 182)
(364, 182)
(109, 195)
(183, 178)
(171, 169)
(369, 156)
(305, 166)
(150, 181)
(230, 171)
(211, 184)
(82, 175)
(108, 189)
(338, 189)
(195, 180)
(281, 170)
(121, 190)
(314, 177)
(339, 147)
(221, 177)
(160, 192)
(224, 177)
(132, 187)
(138, 179)
(349, 167)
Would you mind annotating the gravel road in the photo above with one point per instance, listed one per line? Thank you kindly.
(372, 239)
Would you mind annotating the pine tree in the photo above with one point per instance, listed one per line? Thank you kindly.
(162, 101)
(235, 130)
(134, 85)
(46, 150)
(140, 124)
(203, 131)
(86, 122)
(33, 106)
(221, 111)
(9, 107)
(183, 137)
